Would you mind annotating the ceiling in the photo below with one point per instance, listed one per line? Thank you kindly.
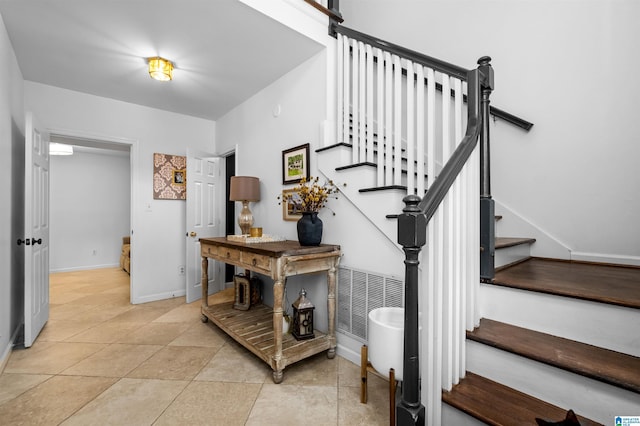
(223, 51)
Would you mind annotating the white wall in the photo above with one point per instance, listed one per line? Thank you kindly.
(569, 68)
(158, 242)
(90, 209)
(12, 194)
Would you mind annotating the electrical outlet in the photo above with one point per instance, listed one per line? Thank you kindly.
(95, 252)
(181, 270)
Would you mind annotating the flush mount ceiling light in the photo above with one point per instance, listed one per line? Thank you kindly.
(60, 149)
(160, 69)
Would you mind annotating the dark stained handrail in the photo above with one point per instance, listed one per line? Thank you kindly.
(429, 61)
(332, 12)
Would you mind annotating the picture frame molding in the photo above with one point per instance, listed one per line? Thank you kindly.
(288, 212)
(304, 166)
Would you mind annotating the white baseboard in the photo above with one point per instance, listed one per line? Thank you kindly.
(158, 296)
(4, 358)
(514, 224)
(348, 347)
(85, 268)
(606, 258)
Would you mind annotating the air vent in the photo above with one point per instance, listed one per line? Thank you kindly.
(359, 292)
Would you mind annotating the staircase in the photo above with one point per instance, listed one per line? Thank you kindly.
(544, 335)
(553, 332)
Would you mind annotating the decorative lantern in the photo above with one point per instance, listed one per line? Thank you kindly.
(302, 317)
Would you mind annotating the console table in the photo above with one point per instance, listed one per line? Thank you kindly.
(260, 328)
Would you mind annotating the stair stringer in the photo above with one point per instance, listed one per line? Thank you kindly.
(588, 397)
(515, 224)
(374, 206)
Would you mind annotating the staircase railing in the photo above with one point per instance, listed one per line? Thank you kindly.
(412, 235)
(403, 110)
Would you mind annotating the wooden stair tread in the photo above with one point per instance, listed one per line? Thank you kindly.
(498, 405)
(504, 242)
(604, 365)
(615, 285)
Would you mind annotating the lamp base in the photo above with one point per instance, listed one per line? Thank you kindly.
(245, 220)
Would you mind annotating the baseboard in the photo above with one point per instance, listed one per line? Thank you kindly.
(613, 259)
(85, 268)
(348, 347)
(158, 296)
(515, 224)
(4, 358)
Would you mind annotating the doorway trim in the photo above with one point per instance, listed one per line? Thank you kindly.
(104, 141)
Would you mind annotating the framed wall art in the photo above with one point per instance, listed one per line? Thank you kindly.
(169, 177)
(291, 205)
(295, 164)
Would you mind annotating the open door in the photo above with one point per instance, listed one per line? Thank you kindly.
(36, 230)
(203, 218)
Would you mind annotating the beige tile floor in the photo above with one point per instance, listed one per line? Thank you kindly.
(101, 360)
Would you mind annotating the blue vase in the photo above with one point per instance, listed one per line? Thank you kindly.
(309, 229)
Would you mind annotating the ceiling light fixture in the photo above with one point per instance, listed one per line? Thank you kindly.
(60, 149)
(160, 69)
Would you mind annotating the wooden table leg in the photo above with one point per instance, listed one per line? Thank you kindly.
(205, 287)
(278, 295)
(331, 308)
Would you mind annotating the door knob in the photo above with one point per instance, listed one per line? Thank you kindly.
(192, 234)
(34, 241)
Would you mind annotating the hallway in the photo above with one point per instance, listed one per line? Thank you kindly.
(101, 360)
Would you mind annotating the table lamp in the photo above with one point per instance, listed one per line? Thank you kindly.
(244, 189)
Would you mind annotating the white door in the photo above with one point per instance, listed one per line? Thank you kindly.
(36, 230)
(203, 218)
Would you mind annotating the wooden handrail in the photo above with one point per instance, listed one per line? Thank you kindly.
(332, 13)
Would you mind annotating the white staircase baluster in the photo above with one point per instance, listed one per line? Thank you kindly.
(339, 86)
(369, 126)
(447, 373)
(388, 121)
(355, 112)
(397, 120)
(461, 230)
(420, 141)
(361, 103)
(346, 78)
(380, 114)
(410, 130)
(458, 313)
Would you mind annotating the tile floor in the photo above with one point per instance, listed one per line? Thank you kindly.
(101, 360)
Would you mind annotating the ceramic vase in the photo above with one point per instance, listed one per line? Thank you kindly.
(309, 229)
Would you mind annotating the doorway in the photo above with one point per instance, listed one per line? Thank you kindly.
(91, 200)
(230, 211)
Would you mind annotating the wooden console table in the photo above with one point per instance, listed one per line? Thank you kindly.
(260, 328)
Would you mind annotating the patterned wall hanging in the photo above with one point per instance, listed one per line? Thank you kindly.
(169, 177)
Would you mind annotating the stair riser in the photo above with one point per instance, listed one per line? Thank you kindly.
(599, 324)
(509, 255)
(453, 416)
(593, 399)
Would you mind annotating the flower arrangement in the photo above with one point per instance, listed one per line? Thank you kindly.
(310, 196)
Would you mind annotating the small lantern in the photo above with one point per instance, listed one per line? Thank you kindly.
(302, 317)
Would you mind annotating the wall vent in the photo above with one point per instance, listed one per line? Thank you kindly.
(359, 292)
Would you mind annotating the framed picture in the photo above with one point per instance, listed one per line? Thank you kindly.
(179, 177)
(169, 177)
(295, 164)
(291, 205)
